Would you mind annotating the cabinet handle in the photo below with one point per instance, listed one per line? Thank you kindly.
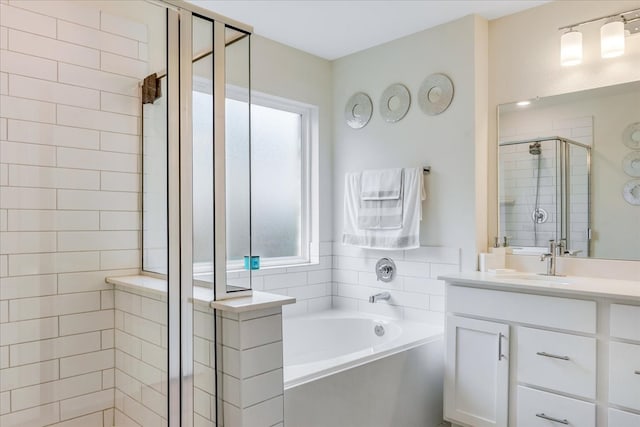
(554, 356)
(500, 355)
(555, 420)
(637, 372)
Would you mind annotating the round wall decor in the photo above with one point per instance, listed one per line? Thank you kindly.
(435, 94)
(395, 103)
(631, 136)
(358, 110)
(631, 192)
(631, 164)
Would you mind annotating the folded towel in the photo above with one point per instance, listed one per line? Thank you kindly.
(382, 184)
(405, 237)
(380, 214)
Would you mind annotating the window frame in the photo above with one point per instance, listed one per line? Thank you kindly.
(309, 123)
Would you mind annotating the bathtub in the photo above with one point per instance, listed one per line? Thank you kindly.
(351, 369)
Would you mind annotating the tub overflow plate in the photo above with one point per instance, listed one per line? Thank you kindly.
(385, 269)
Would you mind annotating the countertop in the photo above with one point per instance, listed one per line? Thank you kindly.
(201, 295)
(561, 285)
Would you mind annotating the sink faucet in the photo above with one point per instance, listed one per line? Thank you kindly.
(551, 256)
(381, 296)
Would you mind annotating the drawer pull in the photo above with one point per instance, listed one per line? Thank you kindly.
(555, 420)
(554, 356)
(637, 372)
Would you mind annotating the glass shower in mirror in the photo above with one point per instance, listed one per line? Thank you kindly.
(575, 188)
(544, 194)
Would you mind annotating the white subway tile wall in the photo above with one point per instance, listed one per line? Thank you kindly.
(140, 341)
(309, 284)
(416, 293)
(69, 217)
(252, 369)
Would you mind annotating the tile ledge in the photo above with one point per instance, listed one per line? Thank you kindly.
(140, 282)
(257, 301)
(158, 287)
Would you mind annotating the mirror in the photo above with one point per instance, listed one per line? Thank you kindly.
(567, 171)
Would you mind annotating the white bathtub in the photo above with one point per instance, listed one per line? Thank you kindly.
(339, 372)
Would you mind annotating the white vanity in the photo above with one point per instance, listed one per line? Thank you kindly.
(525, 350)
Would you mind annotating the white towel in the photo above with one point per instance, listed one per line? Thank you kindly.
(380, 214)
(381, 184)
(406, 237)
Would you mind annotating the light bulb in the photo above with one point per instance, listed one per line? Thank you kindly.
(571, 48)
(612, 39)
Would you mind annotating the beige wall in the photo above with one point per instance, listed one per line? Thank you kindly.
(286, 72)
(447, 142)
(524, 57)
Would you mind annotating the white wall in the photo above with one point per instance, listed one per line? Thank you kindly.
(525, 63)
(446, 142)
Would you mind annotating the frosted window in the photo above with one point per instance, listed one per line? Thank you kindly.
(277, 182)
(202, 178)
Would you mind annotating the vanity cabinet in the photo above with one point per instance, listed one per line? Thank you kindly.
(624, 358)
(477, 372)
(566, 360)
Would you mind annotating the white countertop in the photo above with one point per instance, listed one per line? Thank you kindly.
(564, 285)
(202, 295)
(257, 301)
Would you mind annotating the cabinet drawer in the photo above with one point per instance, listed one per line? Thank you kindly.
(624, 321)
(619, 418)
(624, 375)
(553, 312)
(561, 362)
(539, 409)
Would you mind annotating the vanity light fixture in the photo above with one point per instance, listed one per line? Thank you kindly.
(612, 39)
(523, 103)
(571, 48)
(612, 34)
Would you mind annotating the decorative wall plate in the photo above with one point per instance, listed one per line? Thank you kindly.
(631, 136)
(631, 192)
(358, 110)
(395, 103)
(435, 94)
(631, 164)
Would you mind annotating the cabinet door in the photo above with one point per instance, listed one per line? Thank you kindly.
(624, 375)
(476, 372)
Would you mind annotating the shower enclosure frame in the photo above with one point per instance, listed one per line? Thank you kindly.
(563, 173)
(179, 198)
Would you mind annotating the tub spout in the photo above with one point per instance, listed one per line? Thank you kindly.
(380, 296)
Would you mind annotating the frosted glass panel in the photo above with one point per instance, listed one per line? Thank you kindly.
(277, 182)
(203, 176)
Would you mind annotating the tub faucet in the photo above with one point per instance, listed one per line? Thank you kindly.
(381, 296)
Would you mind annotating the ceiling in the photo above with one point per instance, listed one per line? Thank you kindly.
(331, 29)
